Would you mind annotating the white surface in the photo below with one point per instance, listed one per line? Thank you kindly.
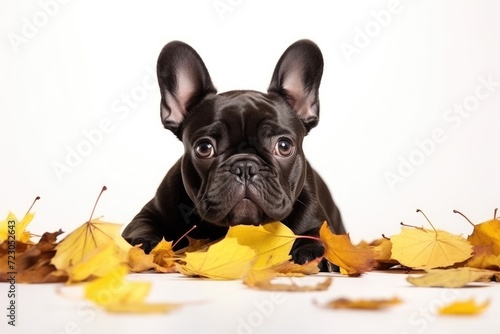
(231, 307)
(76, 70)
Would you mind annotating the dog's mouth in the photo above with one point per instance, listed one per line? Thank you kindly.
(244, 192)
(245, 206)
(246, 212)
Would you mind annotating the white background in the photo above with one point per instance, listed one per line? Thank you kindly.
(74, 68)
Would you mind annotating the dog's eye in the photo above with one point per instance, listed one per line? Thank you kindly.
(283, 148)
(205, 150)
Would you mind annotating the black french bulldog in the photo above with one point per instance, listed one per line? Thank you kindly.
(243, 161)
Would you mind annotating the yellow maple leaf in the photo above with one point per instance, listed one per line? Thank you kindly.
(115, 294)
(422, 248)
(486, 233)
(139, 261)
(362, 304)
(272, 242)
(262, 279)
(466, 307)
(84, 240)
(339, 250)
(450, 278)
(97, 262)
(19, 227)
(226, 259)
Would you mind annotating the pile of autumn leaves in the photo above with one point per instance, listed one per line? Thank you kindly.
(96, 253)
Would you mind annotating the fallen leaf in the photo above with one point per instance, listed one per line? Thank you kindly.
(450, 278)
(141, 307)
(97, 263)
(262, 279)
(163, 255)
(382, 249)
(486, 233)
(32, 261)
(20, 227)
(117, 295)
(272, 242)
(427, 249)
(466, 307)
(226, 259)
(288, 268)
(422, 248)
(340, 251)
(84, 240)
(488, 261)
(139, 261)
(195, 245)
(362, 304)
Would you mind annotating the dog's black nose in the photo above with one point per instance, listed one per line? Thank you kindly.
(245, 169)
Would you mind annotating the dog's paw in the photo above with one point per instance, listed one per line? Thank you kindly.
(307, 252)
(146, 243)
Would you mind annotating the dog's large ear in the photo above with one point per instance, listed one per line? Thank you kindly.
(297, 77)
(184, 81)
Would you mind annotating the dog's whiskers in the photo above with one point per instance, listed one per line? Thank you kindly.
(299, 201)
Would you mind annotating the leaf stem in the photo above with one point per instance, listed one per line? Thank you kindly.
(307, 237)
(183, 236)
(406, 225)
(104, 188)
(461, 214)
(32, 204)
(418, 210)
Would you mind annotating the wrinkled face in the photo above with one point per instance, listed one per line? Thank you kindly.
(243, 161)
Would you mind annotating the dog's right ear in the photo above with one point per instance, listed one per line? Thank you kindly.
(184, 81)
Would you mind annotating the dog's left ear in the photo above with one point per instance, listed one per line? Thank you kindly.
(184, 81)
(297, 77)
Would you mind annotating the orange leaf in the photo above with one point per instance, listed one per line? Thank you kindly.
(487, 233)
(163, 255)
(340, 251)
(139, 261)
(485, 261)
(289, 268)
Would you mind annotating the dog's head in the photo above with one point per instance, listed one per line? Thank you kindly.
(243, 160)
